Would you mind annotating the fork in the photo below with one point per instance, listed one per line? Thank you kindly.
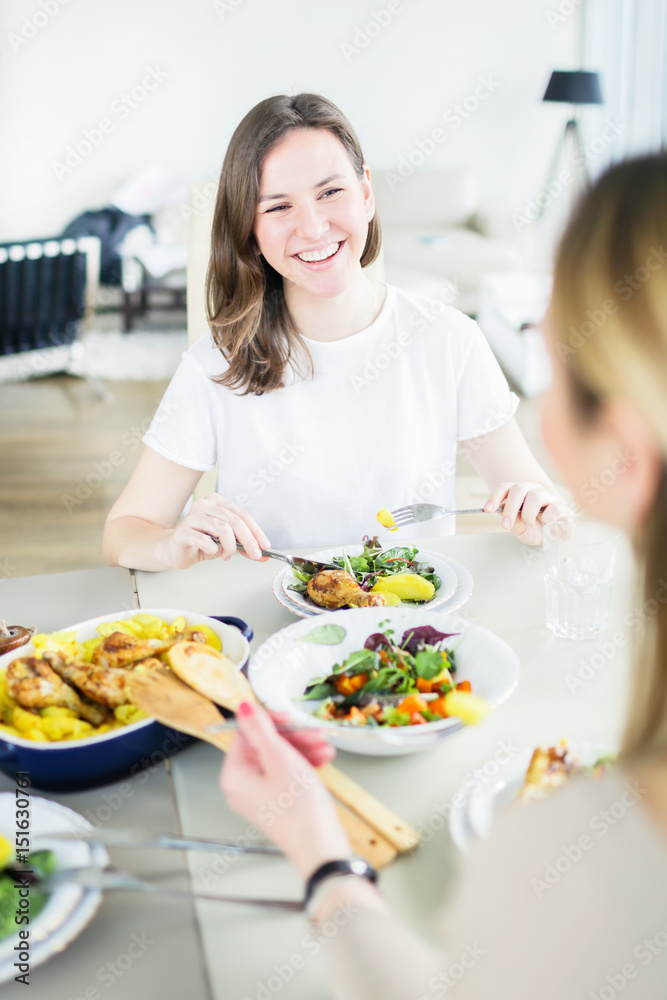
(429, 511)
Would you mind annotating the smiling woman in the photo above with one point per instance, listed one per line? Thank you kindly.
(320, 393)
(300, 220)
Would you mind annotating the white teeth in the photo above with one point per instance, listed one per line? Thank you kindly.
(319, 254)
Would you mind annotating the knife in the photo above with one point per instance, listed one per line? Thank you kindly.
(300, 562)
(92, 877)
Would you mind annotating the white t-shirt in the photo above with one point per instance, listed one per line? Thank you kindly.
(376, 426)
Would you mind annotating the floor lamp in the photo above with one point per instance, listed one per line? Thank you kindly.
(570, 87)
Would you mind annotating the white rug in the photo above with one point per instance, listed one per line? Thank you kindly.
(140, 355)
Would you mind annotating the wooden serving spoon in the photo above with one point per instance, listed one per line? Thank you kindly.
(213, 675)
(164, 696)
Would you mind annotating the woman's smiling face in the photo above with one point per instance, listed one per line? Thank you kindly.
(311, 221)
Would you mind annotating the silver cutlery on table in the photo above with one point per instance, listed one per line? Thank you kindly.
(92, 877)
(307, 565)
(416, 512)
(298, 562)
(118, 837)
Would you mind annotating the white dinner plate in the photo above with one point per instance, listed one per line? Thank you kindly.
(455, 589)
(490, 799)
(70, 907)
(459, 823)
(287, 603)
(285, 664)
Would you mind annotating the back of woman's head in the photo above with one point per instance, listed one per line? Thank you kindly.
(245, 302)
(609, 313)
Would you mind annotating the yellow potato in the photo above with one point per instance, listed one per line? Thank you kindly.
(10, 730)
(212, 638)
(89, 647)
(407, 586)
(127, 714)
(66, 729)
(391, 600)
(145, 620)
(58, 642)
(150, 627)
(108, 628)
(55, 712)
(469, 708)
(35, 734)
(386, 520)
(24, 721)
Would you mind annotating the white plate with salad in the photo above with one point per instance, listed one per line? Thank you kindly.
(448, 656)
(58, 918)
(429, 576)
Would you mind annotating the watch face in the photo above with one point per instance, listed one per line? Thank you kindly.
(360, 867)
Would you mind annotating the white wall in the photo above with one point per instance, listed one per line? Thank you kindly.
(222, 56)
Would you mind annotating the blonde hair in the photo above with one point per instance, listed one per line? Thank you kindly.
(245, 303)
(610, 316)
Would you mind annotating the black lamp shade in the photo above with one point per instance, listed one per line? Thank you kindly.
(574, 87)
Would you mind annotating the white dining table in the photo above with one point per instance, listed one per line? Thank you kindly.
(216, 951)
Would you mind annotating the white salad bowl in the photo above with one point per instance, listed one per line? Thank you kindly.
(288, 661)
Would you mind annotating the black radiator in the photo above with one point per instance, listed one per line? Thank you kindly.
(42, 294)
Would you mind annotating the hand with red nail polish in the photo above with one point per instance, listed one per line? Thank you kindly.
(270, 779)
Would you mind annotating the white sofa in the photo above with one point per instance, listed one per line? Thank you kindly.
(438, 239)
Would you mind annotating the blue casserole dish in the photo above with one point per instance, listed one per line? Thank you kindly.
(71, 765)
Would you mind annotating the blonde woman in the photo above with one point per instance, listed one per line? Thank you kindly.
(308, 444)
(514, 931)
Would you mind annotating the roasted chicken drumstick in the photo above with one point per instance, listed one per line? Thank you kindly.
(334, 588)
(34, 684)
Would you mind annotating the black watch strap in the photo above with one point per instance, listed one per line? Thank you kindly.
(349, 866)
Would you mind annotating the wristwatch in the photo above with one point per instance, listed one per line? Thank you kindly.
(337, 869)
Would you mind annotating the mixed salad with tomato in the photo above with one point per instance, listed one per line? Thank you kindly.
(392, 682)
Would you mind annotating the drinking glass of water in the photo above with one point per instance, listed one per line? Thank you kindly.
(579, 558)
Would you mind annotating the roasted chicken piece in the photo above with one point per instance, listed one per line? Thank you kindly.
(105, 685)
(150, 663)
(34, 684)
(334, 588)
(121, 650)
(549, 768)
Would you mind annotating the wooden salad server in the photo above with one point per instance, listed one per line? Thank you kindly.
(213, 675)
(162, 695)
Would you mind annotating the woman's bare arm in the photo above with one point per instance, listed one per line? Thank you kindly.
(144, 529)
(515, 478)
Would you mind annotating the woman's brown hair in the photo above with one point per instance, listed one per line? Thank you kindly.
(609, 312)
(245, 303)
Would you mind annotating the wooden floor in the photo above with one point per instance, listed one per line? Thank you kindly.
(66, 455)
